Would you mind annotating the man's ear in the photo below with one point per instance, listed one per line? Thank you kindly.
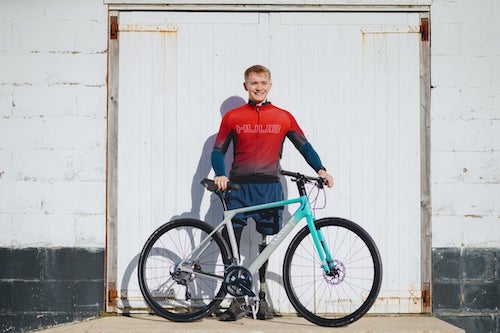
(245, 86)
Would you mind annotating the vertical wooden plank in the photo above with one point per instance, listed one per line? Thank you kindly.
(112, 168)
(426, 214)
(130, 142)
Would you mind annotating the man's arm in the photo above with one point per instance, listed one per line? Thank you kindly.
(219, 167)
(312, 158)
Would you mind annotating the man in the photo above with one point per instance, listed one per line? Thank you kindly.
(258, 130)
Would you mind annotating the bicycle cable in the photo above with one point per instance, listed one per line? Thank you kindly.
(314, 200)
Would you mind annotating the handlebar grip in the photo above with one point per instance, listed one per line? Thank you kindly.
(322, 181)
(289, 173)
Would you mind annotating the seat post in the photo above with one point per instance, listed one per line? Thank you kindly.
(220, 194)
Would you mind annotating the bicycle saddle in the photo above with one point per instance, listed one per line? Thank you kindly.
(209, 184)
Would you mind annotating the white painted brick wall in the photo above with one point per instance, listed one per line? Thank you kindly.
(53, 123)
(465, 161)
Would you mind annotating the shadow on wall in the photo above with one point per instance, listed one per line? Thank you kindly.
(214, 213)
(250, 239)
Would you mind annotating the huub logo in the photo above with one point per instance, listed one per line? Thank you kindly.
(268, 128)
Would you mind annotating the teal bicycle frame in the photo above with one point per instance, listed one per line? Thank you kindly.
(303, 211)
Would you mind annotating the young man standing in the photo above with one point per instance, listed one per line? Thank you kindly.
(258, 130)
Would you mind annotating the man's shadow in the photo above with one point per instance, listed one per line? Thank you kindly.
(214, 213)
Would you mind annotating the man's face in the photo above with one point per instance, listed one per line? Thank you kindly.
(258, 86)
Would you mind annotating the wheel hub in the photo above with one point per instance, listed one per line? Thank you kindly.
(179, 276)
(337, 273)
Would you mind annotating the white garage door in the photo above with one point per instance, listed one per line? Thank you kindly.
(351, 80)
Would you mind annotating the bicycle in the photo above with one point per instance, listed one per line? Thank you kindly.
(332, 269)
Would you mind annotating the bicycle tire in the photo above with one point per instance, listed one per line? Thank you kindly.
(171, 293)
(326, 300)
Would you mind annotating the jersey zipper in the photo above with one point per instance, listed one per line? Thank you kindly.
(257, 109)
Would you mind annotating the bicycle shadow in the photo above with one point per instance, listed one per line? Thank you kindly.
(214, 212)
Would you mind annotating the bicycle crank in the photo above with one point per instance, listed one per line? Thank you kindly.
(238, 281)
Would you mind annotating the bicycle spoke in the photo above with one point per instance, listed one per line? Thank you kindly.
(169, 289)
(348, 291)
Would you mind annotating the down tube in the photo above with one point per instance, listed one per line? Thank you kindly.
(278, 239)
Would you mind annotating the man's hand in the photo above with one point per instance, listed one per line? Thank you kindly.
(221, 182)
(326, 175)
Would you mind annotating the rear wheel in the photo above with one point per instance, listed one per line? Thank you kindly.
(349, 291)
(168, 288)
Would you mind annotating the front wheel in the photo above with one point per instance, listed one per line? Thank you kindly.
(349, 290)
(179, 279)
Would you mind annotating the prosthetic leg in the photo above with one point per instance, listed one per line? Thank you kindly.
(265, 311)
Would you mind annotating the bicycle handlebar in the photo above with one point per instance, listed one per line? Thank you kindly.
(301, 179)
(320, 182)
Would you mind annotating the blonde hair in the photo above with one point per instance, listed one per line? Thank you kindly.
(257, 69)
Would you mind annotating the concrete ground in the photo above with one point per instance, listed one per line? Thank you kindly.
(285, 324)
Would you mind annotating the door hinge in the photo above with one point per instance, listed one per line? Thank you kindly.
(113, 27)
(424, 29)
(112, 296)
(426, 294)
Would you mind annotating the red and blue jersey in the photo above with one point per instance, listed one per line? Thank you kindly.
(258, 134)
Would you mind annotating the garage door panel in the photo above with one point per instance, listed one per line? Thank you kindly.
(351, 80)
(176, 72)
(354, 87)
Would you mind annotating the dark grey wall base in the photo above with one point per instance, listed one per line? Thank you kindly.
(466, 288)
(43, 287)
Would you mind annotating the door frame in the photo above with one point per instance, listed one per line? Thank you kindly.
(114, 9)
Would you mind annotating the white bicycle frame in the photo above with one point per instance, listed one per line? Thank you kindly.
(303, 211)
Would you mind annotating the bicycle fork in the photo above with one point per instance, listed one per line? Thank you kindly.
(322, 249)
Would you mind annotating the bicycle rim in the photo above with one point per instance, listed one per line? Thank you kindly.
(339, 300)
(175, 294)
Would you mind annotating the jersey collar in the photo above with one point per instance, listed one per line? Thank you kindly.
(252, 103)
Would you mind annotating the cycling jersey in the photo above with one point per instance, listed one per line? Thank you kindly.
(258, 134)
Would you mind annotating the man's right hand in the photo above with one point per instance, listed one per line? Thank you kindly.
(221, 182)
(327, 176)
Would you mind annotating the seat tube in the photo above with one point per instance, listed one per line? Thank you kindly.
(232, 239)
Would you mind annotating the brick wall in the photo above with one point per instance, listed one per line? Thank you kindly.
(53, 57)
(42, 287)
(465, 126)
(466, 288)
(465, 163)
(52, 123)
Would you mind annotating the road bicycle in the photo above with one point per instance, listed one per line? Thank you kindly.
(332, 269)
